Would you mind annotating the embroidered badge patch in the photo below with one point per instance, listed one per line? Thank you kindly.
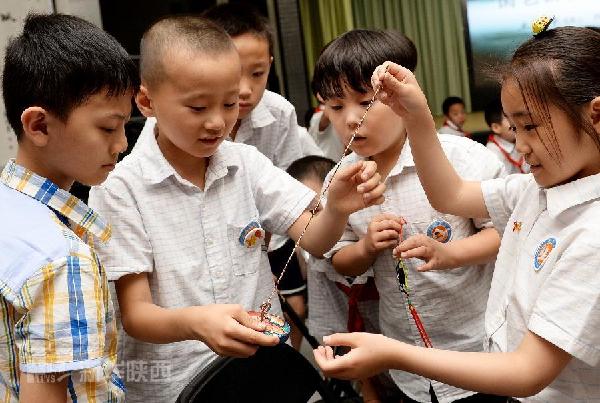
(251, 235)
(542, 252)
(440, 230)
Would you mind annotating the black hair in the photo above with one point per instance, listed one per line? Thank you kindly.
(312, 165)
(58, 62)
(239, 19)
(351, 59)
(493, 112)
(191, 33)
(559, 67)
(449, 101)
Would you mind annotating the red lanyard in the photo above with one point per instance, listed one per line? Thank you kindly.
(518, 164)
(401, 275)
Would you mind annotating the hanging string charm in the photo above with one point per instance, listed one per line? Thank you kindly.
(402, 276)
(266, 306)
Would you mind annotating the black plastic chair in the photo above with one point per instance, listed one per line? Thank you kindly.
(277, 374)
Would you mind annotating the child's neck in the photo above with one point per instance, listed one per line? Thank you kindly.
(387, 159)
(189, 167)
(40, 167)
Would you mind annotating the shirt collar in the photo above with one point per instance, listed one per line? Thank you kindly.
(405, 160)
(571, 194)
(46, 192)
(259, 117)
(505, 144)
(157, 169)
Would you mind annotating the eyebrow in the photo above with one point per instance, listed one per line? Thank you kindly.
(518, 114)
(118, 116)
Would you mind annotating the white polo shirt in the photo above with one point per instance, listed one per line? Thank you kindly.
(547, 276)
(272, 127)
(188, 241)
(451, 303)
(510, 149)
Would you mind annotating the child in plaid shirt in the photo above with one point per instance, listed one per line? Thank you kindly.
(67, 89)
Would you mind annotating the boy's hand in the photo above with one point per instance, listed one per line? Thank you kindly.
(437, 255)
(368, 356)
(383, 232)
(228, 330)
(355, 187)
(399, 89)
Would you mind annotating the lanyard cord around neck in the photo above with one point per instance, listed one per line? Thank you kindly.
(402, 276)
(518, 164)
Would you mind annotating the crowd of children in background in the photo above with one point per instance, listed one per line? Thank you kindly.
(222, 173)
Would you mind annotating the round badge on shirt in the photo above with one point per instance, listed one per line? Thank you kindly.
(542, 252)
(251, 235)
(440, 230)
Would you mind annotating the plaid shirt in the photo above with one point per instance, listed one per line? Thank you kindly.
(55, 304)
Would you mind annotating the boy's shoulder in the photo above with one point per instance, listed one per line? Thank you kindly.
(31, 237)
(276, 104)
(470, 152)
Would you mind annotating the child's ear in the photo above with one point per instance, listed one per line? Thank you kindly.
(495, 127)
(144, 102)
(35, 125)
(595, 113)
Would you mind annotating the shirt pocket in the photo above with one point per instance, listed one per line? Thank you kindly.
(245, 260)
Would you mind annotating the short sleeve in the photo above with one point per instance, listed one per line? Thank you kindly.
(567, 309)
(280, 199)
(129, 250)
(290, 147)
(501, 196)
(66, 317)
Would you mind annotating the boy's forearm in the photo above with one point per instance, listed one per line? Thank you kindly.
(516, 374)
(352, 260)
(151, 323)
(479, 248)
(324, 231)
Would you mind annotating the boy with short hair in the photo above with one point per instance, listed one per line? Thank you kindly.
(451, 303)
(67, 88)
(266, 120)
(454, 117)
(502, 140)
(191, 211)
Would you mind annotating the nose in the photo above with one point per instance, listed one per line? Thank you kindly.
(120, 144)
(521, 145)
(353, 118)
(215, 124)
(245, 88)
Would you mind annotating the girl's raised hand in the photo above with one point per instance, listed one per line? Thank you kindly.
(399, 89)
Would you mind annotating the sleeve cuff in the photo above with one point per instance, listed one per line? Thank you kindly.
(115, 273)
(563, 340)
(60, 367)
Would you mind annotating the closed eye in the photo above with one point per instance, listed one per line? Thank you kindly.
(197, 108)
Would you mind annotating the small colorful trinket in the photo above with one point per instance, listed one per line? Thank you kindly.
(251, 235)
(517, 226)
(274, 325)
(541, 24)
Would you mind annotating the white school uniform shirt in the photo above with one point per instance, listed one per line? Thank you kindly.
(451, 303)
(547, 277)
(327, 139)
(511, 150)
(272, 127)
(187, 241)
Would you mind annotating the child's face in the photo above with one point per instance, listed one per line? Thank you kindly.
(578, 158)
(382, 129)
(456, 114)
(502, 129)
(85, 147)
(256, 63)
(196, 105)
